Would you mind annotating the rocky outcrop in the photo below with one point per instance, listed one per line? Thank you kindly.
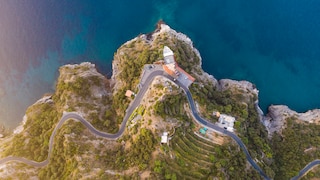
(81, 88)
(246, 88)
(163, 28)
(277, 115)
(160, 32)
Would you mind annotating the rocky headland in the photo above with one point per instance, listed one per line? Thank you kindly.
(82, 89)
(276, 119)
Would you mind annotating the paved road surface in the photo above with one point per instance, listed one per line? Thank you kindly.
(71, 115)
(306, 169)
(131, 108)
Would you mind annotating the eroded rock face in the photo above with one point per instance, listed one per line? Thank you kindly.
(246, 88)
(276, 118)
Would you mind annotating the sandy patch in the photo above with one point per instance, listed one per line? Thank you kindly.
(145, 175)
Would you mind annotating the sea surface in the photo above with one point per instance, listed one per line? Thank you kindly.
(275, 44)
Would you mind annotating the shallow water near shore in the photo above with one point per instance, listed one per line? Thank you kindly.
(274, 44)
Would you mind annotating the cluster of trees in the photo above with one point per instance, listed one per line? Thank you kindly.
(141, 149)
(62, 160)
(214, 100)
(139, 153)
(248, 125)
(171, 106)
(80, 87)
(185, 56)
(34, 143)
(297, 146)
(254, 134)
(105, 122)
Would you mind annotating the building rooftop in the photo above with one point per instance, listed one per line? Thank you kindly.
(226, 118)
(173, 69)
(169, 71)
(129, 93)
(227, 122)
(164, 137)
(169, 60)
(203, 130)
(168, 55)
(167, 51)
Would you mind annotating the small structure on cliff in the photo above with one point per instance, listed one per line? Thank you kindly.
(164, 138)
(129, 93)
(171, 67)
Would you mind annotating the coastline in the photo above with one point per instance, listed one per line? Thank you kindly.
(273, 119)
(249, 97)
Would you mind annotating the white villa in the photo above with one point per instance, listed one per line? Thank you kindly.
(164, 138)
(227, 121)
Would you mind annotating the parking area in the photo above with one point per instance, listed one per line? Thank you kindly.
(147, 69)
(183, 78)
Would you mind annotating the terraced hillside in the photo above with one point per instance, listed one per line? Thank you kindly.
(192, 157)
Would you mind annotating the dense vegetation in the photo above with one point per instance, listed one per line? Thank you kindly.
(185, 56)
(171, 106)
(296, 147)
(284, 155)
(250, 129)
(135, 55)
(62, 160)
(33, 143)
(142, 147)
(73, 90)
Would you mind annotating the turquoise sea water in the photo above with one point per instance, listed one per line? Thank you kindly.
(274, 44)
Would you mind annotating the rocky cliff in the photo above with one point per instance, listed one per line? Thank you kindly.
(276, 119)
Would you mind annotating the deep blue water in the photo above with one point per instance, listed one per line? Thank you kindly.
(274, 44)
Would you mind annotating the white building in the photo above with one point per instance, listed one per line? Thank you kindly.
(168, 55)
(227, 121)
(164, 137)
(172, 68)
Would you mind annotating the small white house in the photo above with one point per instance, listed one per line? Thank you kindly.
(227, 121)
(164, 137)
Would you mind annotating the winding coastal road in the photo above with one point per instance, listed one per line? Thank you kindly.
(75, 116)
(135, 103)
(306, 169)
